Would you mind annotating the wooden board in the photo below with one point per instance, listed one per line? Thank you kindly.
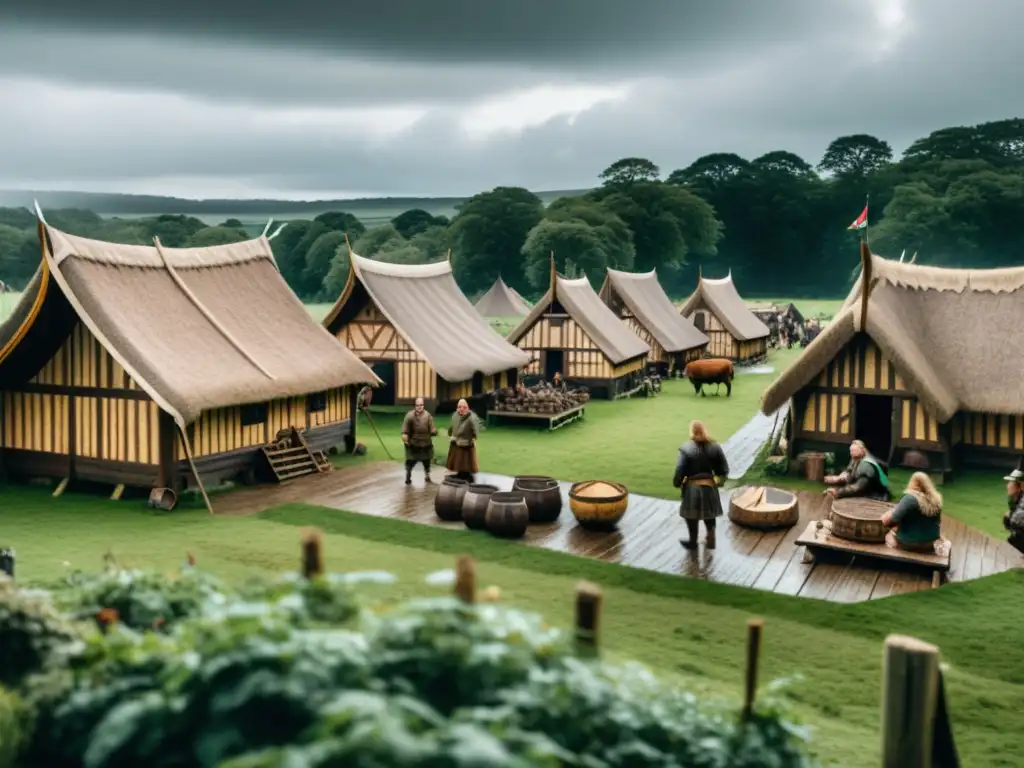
(551, 421)
(813, 539)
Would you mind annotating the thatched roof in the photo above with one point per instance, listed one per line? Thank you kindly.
(646, 299)
(954, 335)
(580, 301)
(426, 306)
(502, 300)
(196, 328)
(722, 298)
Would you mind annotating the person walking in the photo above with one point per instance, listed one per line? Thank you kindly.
(701, 461)
(462, 447)
(418, 431)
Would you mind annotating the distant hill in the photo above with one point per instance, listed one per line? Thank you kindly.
(370, 211)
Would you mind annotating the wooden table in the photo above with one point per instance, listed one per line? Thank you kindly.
(817, 537)
(548, 421)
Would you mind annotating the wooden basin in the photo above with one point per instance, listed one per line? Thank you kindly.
(859, 519)
(598, 504)
(764, 507)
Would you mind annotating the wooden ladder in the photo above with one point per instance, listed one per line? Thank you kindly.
(288, 462)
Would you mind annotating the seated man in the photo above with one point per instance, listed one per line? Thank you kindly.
(1013, 520)
(865, 476)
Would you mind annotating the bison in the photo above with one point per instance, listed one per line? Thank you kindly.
(714, 370)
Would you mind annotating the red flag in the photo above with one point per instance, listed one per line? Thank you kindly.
(861, 221)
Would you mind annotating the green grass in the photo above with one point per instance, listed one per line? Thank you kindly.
(687, 629)
(634, 442)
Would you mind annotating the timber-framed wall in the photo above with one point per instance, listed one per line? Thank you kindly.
(721, 341)
(825, 416)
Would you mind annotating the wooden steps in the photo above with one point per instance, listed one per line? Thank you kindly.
(291, 457)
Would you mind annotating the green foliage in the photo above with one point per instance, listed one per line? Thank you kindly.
(776, 468)
(33, 636)
(629, 170)
(208, 236)
(249, 681)
(415, 221)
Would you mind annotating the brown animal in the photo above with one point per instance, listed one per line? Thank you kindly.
(714, 370)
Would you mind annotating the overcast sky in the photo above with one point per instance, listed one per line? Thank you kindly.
(306, 99)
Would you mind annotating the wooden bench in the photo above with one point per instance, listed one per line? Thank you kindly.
(818, 537)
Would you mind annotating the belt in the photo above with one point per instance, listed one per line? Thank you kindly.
(708, 482)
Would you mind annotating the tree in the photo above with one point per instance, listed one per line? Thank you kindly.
(573, 241)
(433, 243)
(781, 161)
(412, 222)
(290, 260)
(629, 170)
(856, 155)
(487, 237)
(616, 238)
(15, 270)
(215, 236)
(232, 224)
(955, 144)
(374, 240)
(717, 168)
(340, 221)
(1008, 135)
(319, 258)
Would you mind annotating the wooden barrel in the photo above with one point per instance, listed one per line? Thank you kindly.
(859, 519)
(448, 501)
(474, 505)
(814, 467)
(763, 507)
(598, 504)
(507, 514)
(543, 497)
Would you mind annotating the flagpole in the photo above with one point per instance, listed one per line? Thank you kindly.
(867, 219)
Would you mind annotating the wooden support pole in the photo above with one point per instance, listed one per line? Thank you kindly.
(312, 554)
(465, 579)
(589, 602)
(754, 630)
(910, 688)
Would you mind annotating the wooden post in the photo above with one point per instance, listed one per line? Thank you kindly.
(465, 579)
(754, 629)
(589, 602)
(312, 554)
(910, 688)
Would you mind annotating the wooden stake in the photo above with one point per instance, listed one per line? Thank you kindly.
(465, 579)
(589, 602)
(61, 487)
(191, 559)
(754, 629)
(312, 554)
(910, 688)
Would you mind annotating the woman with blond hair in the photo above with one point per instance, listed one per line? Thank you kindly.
(917, 518)
(700, 461)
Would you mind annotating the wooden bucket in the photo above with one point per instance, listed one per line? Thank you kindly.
(598, 504)
(543, 497)
(448, 501)
(507, 514)
(163, 498)
(859, 520)
(474, 505)
(814, 467)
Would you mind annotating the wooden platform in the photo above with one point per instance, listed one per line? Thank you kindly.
(649, 535)
(548, 421)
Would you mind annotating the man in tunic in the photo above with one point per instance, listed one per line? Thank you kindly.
(700, 462)
(462, 446)
(417, 432)
(1013, 520)
(865, 476)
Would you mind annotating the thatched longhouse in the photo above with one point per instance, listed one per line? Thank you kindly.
(420, 334)
(926, 359)
(642, 303)
(147, 366)
(502, 300)
(717, 310)
(570, 331)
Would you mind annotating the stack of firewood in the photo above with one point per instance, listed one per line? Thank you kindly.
(540, 398)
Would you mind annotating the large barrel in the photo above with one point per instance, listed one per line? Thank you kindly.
(543, 497)
(507, 514)
(448, 501)
(474, 505)
(859, 519)
(598, 504)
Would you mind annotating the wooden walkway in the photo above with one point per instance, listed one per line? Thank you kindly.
(649, 535)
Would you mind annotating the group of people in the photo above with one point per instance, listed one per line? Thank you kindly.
(418, 432)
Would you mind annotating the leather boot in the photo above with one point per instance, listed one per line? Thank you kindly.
(408, 473)
(693, 526)
(709, 540)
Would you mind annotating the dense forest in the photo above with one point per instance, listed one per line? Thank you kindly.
(779, 223)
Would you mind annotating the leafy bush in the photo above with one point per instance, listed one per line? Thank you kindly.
(32, 634)
(777, 468)
(278, 674)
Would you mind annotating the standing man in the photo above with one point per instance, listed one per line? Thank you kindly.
(418, 431)
(701, 468)
(462, 449)
(1013, 520)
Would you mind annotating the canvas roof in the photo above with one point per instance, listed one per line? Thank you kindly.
(581, 302)
(723, 299)
(502, 300)
(646, 299)
(954, 335)
(196, 328)
(428, 308)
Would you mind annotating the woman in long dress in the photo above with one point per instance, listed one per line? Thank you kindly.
(701, 461)
(462, 447)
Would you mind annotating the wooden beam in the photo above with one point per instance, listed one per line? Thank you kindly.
(910, 688)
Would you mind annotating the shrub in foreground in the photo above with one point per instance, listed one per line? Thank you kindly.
(290, 673)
